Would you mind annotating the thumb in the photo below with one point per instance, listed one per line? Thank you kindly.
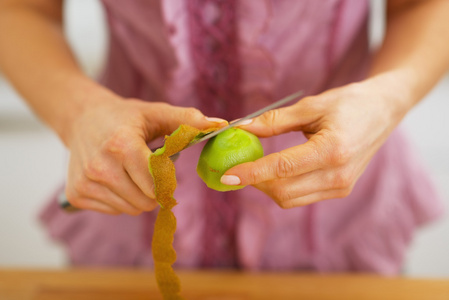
(166, 118)
(287, 163)
(283, 120)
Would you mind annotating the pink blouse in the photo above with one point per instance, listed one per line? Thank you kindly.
(283, 46)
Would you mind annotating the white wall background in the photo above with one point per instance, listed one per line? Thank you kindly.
(32, 160)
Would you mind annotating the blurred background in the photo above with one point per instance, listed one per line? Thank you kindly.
(33, 161)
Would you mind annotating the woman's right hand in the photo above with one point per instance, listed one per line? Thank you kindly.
(106, 135)
(108, 167)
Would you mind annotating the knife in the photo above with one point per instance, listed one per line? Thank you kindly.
(65, 204)
(250, 116)
(211, 134)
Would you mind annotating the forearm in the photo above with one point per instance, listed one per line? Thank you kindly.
(37, 60)
(415, 53)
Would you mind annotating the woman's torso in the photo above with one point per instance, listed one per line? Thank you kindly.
(283, 46)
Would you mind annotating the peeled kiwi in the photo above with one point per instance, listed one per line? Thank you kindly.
(224, 151)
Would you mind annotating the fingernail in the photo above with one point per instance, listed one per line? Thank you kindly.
(230, 180)
(215, 120)
(246, 122)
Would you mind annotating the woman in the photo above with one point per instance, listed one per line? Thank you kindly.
(228, 58)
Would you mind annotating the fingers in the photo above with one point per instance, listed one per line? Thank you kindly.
(95, 205)
(312, 198)
(93, 196)
(126, 189)
(135, 163)
(116, 176)
(308, 188)
(167, 118)
(286, 119)
(112, 194)
(117, 179)
(287, 163)
(193, 117)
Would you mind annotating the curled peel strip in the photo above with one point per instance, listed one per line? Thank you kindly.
(162, 170)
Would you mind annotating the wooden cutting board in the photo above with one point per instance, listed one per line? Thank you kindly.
(77, 284)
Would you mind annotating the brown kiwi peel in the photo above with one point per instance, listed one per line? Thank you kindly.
(163, 172)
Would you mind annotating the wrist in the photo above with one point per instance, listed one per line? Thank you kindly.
(78, 96)
(397, 90)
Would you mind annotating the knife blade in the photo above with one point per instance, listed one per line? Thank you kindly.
(257, 113)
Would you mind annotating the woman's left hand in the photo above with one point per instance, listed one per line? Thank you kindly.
(344, 126)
